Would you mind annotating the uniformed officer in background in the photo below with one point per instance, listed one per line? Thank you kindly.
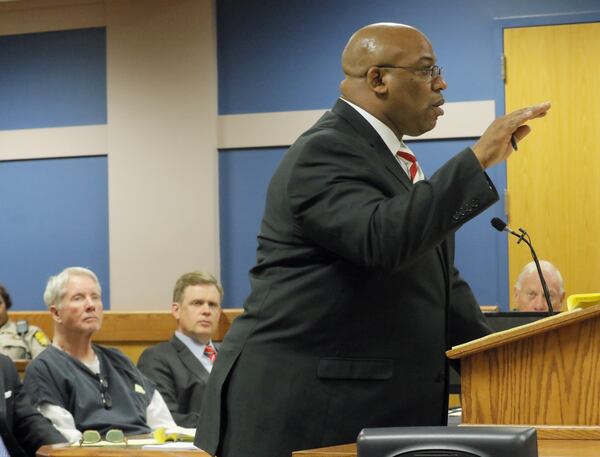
(18, 340)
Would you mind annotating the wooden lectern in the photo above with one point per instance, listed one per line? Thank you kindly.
(544, 374)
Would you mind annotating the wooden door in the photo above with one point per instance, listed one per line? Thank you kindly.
(554, 177)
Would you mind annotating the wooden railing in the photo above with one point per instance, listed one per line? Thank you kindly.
(131, 332)
(134, 331)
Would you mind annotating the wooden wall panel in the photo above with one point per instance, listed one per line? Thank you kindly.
(554, 177)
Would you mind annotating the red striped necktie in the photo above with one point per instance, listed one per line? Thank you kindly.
(414, 168)
(210, 353)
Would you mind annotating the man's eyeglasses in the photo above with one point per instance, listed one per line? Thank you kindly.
(113, 436)
(106, 398)
(430, 73)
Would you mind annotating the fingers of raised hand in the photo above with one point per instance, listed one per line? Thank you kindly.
(532, 112)
(519, 117)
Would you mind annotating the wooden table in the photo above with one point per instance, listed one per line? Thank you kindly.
(70, 451)
(546, 448)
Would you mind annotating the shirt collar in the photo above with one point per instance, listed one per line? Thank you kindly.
(387, 135)
(390, 139)
(191, 344)
(94, 365)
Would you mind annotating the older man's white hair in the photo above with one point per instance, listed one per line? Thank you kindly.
(547, 268)
(57, 285)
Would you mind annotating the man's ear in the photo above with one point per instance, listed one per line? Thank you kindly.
(515, 298)
(375, 80)
(175, 310)
(562, 301)
(54, 313)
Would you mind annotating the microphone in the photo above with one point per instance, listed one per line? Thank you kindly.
(501, 226)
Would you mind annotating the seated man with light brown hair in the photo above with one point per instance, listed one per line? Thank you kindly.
(180, 367)
(528, 291)
(80, 385)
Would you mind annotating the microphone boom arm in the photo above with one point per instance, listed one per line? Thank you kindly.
(501, 226)
(525, 237)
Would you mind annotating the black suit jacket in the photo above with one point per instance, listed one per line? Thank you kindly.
(355, 298)
(23, 429)
(179, 377)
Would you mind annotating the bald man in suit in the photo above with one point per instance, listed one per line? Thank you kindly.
(355, 297)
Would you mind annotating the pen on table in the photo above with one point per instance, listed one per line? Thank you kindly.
(513, 142)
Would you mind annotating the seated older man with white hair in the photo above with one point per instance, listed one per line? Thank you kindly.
(80, 385)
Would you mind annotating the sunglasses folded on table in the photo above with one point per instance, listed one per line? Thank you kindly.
(113, 437)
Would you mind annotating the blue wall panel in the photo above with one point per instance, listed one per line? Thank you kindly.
(53, 214)
(53, 79)
(243, 179)
(285, 55)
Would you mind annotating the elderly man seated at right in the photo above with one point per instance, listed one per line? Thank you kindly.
(80, 385)
(528, 291)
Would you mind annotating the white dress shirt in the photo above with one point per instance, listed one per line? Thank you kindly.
(390, 139)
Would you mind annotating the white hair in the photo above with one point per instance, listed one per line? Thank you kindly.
(56, 286)
(546, 267)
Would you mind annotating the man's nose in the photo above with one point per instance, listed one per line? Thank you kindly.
(540, 303)
(439, 83)
(205, 309)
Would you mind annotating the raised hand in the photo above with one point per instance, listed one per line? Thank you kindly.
(494, 145)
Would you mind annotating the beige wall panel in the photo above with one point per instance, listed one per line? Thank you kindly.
(84, 140)
(461, 120)
(162, 124)
(554, 178)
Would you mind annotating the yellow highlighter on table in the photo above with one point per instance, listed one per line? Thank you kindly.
(162, 435)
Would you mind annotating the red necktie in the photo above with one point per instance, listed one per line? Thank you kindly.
(413, 163)
(210, 353)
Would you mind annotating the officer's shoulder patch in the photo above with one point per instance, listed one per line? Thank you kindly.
(41, 338)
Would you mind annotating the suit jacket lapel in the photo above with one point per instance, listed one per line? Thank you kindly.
(366, 130)
(189, 360)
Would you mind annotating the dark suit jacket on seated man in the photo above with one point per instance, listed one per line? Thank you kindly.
(181, 366)
(79, 385)
(22, 429)
(355, 297)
